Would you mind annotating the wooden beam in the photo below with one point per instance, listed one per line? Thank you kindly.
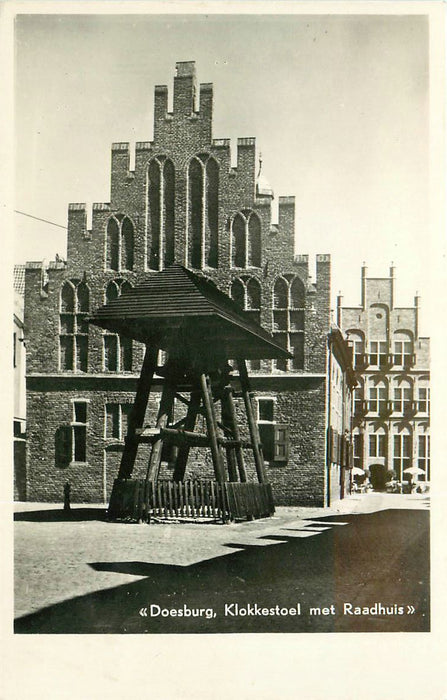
(164, 414)
(136, 416)
(228, 411)
(252, 424)
(211, 422)
(190, 421)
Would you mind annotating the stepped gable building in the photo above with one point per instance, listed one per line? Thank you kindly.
(391, 425)
(18, 347)
(185, 203)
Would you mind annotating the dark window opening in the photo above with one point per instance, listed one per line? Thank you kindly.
(239, 242)
(212, 175)
(127, 244)
(154, 213)
(254, 241)
(196, 212)
(169, 204)
(112, 256)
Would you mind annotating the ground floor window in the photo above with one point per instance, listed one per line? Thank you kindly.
(116, 420)
(377, 445)
(424, 457)
(274, 436)
(358, 450)
(79, 431)
(402, 449)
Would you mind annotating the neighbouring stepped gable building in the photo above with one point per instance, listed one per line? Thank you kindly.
(183, 202)
(391, 428)
(18, 361)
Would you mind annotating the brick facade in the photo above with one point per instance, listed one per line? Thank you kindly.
(391, 428)
(183, 202)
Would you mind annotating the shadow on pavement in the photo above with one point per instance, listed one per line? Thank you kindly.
(60, 515)
(376, 558)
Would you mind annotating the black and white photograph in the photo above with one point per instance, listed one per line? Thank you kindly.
(222, 242)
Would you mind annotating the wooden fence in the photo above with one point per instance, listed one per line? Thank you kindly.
(139, 500)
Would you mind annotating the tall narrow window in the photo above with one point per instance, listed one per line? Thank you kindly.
(112, 254)
(358, 401)
(238, 293)
(424, 456)
(116, 419)
(288, 319)
(402, 449)
(161, 205)
(246, 292)
(239, 241)
(195, 212)
(169, 213)
(358, 449)
(212, 223)
(246, 240)
(203, 221)
(73, 326)
(254, 241)
(118, 350)
(120, 243)
(79, 431)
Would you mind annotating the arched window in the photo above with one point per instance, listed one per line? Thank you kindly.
(120, 243)
(280, 294)
(246, 292)
(126, 244)
(238, 241)
(378, 443)
(237, 293)
(288, 319)
(253, 294)
(403, 349)
(356, 340)
(212, 200)
(246, 240)
(254, 241)
(402, 397)
(203, 220)
(297, 294)
(161, 220)
(117, 350)
(73, 326)
(378, 398)
(112, 254)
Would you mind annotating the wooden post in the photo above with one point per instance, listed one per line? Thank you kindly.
(211, 422)
(229, 412)
(190, 421)
(164, 413)
(252, 425)
(137, 413)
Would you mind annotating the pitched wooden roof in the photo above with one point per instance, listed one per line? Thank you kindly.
(179, 303)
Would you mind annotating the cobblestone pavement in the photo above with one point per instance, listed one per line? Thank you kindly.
(54, 552)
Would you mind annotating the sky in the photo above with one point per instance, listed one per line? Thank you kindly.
(339, 106)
